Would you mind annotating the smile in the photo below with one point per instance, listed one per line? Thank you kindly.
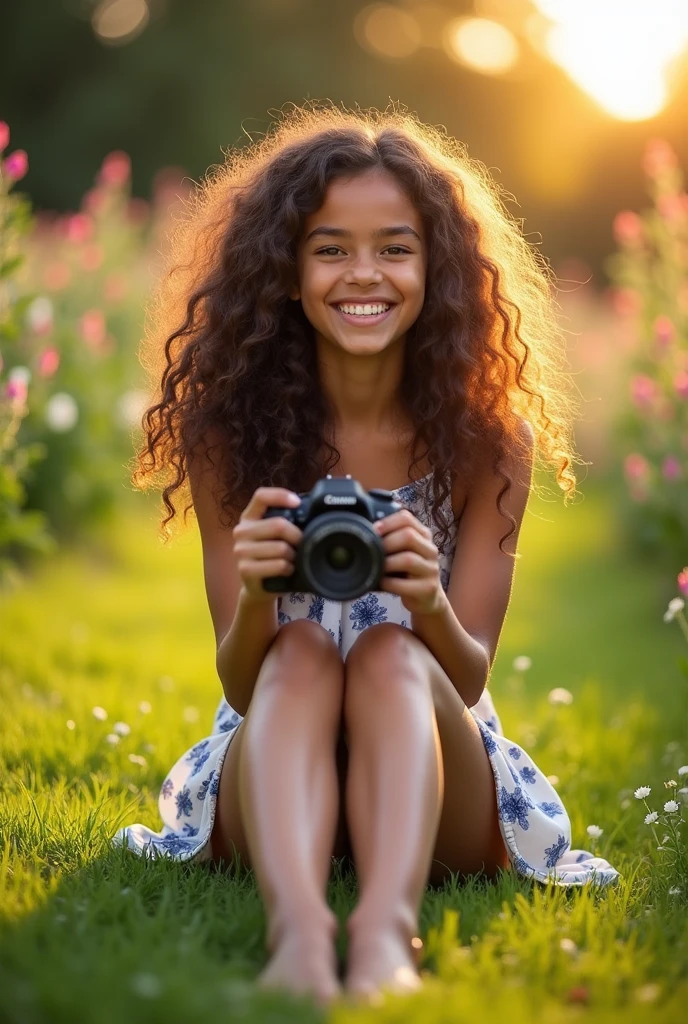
(364, 314)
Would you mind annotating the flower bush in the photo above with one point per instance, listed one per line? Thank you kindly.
(81, 291)
(650, 276)
(21, 531)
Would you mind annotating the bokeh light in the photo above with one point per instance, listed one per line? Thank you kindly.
(387, 31)
(622, 53)
(119, 21)
(482, 44)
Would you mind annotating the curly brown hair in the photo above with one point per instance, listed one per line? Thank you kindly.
(485, 365)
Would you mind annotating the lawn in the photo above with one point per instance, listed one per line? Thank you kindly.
(92, 934)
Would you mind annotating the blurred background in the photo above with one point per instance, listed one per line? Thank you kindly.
(113, 108)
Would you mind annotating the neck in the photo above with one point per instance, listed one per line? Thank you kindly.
(363, 390)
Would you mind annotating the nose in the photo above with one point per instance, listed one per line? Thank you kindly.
(363, 271)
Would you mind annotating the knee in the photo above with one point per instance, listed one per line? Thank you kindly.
(385, 659)
(303, 655)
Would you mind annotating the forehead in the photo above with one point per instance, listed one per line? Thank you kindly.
(370, 200)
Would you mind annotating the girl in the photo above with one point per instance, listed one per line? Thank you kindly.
(349, 296)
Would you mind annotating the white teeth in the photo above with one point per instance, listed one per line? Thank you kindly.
(369, 309)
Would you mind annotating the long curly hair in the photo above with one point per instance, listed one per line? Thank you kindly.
(232, 359)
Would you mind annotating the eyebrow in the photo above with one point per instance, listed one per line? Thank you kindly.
(400, 229)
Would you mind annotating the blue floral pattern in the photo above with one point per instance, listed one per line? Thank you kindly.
(533, 821)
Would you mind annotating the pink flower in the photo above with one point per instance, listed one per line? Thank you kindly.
(57, 276)
(671, 207)
(48, 361)
(92, 327)
(16, 390)
(4, 135)
(664, 330)
(115, 287)
(138, 211)
(628, 228)
(93, 200)
(79, 228)
(671, 468)
(636, 466)
(626, 301)
(681, 384)
(16, 165)
(92, 257)
(643, 389)
(115, 169)
(683, 580)
(658, 158)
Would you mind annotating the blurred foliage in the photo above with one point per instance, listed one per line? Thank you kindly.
(21, 531)
(650, 271)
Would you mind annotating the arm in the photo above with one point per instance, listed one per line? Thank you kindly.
(234, 560)
(463, 634)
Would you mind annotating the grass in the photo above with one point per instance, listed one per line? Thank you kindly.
(89, 933)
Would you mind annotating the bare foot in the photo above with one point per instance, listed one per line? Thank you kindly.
(304, 962)
(382, 959)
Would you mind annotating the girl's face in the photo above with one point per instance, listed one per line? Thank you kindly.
(361, 264)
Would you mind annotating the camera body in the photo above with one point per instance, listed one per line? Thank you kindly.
(340, 555)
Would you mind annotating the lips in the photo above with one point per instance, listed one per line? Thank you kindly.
(364, 319)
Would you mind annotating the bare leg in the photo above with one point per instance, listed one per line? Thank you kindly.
(288, 798)
(393, 801)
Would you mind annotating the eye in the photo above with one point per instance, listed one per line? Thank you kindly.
(400, 250)
(327, 251)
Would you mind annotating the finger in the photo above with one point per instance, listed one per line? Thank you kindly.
(407, 539)
(260, 550)
(409, 561)
(277, 528)
(269, 567)
(400, 520)
(266, 497)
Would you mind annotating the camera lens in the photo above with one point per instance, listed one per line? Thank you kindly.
(341, 557)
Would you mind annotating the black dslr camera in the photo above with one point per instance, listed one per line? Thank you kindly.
(340, 556)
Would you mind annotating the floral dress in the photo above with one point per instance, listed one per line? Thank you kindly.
(533, 820)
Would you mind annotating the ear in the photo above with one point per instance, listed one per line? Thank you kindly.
(294, 293)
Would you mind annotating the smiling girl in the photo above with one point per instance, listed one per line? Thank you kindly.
(350, 296)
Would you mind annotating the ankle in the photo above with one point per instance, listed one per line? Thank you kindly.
(400, 920)
(319, 923)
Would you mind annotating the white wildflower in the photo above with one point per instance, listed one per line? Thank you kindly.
(595, 831)
(70, 724)
(641, 792)
(61, 412)
(676, 605)
(112, 738)
(651, 818)
(39, 314)
(683, 770)
(666, 839)
(148, 986)
(560, 695)
(522, 663)
(670, 783)
(99, 713)
(671, 806)
(145, 707)
(668, 616)
(674, 891)
(20, 373)
(130, 407)
(568, 946)
(121, 728)
(660, 849)
(138, 759)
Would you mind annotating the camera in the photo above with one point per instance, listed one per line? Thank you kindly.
(340, 556)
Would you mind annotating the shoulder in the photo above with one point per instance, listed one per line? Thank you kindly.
(486, 485)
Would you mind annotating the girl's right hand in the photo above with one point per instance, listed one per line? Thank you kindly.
(265, 547)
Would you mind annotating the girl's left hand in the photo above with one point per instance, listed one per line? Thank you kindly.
(409, 548)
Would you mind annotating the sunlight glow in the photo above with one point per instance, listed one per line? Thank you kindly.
(620, 52)
(481, 44)
(119, 21)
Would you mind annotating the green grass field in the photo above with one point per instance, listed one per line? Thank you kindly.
(92, 934)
